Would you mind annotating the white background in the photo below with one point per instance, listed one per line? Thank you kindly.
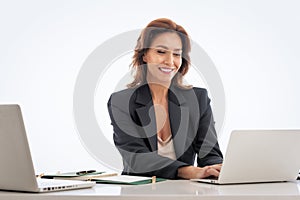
(43, 44)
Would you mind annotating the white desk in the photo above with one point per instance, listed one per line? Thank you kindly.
(177, 189)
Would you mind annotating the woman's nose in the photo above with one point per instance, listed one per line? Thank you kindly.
(169, 59)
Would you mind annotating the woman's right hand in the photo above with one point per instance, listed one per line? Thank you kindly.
(190, 172)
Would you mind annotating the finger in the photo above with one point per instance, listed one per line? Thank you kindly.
(203, 172)
(216, 167)
(212, 172)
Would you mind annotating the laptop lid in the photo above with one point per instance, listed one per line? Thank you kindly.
(261, 156)
(16, 168)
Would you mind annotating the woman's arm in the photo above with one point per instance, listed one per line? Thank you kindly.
(206, 142)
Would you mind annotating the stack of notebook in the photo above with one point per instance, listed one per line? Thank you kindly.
(104, 177)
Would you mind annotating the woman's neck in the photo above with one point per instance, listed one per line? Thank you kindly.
(158, 92)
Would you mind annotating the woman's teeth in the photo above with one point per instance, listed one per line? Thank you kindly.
(165, 69)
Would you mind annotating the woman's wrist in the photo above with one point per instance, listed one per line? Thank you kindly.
(185, 172)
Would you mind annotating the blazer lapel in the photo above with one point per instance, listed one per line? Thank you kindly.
(179, 120)
(146, 114)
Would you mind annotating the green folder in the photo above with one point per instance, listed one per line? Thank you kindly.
(120, 180)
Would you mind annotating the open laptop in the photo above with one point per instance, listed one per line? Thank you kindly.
(16, 166)
(255, 156)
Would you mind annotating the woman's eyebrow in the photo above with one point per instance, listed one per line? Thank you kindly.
(165, 47)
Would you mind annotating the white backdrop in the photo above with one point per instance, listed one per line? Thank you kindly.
(43, 44)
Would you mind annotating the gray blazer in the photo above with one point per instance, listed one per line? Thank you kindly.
(135, 135)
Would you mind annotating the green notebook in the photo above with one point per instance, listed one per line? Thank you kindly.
(78, 175)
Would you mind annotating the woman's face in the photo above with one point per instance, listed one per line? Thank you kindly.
(163, 58)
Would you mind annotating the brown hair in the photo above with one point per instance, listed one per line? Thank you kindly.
(152, 30)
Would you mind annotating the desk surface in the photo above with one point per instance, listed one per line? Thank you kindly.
(171, 189)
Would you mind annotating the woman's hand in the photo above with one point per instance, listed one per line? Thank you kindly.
(189, 172)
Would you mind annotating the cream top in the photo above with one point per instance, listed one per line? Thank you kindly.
(166, 148)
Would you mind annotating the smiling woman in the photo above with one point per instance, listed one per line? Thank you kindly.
(161, 125)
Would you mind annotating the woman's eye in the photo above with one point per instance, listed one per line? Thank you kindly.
(177, 54)
(160, 52)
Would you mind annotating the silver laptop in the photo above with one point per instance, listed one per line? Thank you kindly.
(16, 167)
(260, 156)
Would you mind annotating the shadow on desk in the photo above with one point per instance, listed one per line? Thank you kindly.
(180, 187)
(279, 188)
(170, 187)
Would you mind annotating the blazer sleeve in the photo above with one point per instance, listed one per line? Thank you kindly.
(138, 159)
(206, 143)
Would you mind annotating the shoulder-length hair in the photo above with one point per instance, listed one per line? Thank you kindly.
(148, 34)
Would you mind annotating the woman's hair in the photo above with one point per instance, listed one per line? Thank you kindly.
(148, 34)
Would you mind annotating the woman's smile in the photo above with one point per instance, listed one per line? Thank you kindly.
(166, 70)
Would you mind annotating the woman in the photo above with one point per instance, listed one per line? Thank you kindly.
(160, 124)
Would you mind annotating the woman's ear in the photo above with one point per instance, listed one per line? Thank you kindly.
(145, 58)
